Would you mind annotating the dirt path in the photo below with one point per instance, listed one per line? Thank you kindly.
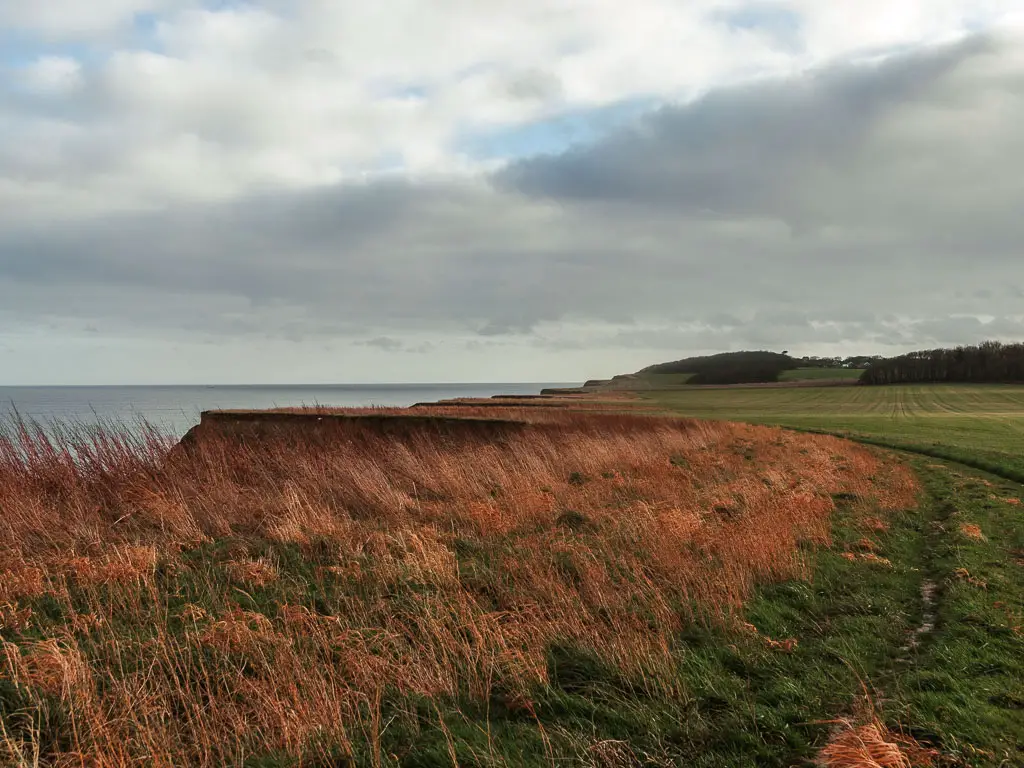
(927, 625)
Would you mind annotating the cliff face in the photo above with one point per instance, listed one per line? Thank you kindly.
(256, 427)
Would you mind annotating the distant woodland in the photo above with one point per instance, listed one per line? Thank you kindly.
(729, 367)
(750, 367)
(990, 362)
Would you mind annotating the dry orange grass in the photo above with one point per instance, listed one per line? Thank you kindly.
(452, 565)
(875, 524)
(254, 573)
(965, 575)
(972, 531)
(865, 741)
(874, 746)
(1012, 500)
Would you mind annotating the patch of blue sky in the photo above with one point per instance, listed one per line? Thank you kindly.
(408, 92)
(552, 135)
(146, 23)
(19, 49)
(145, 27)
(392, 160)
(389, 89)
(779, 23)
(979, 22)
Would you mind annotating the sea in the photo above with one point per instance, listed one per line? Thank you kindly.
(173, 410)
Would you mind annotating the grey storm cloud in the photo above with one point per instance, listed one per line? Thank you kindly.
(796, 210)
(751, 150)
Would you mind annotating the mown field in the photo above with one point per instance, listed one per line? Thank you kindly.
(982, 425)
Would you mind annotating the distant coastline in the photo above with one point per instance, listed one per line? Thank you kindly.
(175, 409)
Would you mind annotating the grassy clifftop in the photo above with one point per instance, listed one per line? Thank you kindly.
(570, 592)
(730, 368)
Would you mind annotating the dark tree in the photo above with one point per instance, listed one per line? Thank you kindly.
(989, 362)
(729, 367)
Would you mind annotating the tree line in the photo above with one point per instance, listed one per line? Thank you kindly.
(854, 361)
(989, 362)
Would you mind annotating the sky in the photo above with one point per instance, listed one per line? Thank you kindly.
(331, 191)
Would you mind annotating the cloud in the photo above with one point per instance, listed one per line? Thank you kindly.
(755, 150)
(386, 343)
(692, 213)
(258, 177)
(181, 101)
(64, 19)
(53, 75)
(779, 23)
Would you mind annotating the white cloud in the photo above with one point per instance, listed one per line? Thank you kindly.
(796, 192)
(320, 91)
(297, 170)
(71, 19)
(53, 75)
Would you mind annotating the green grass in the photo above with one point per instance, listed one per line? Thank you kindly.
(961, 688)
(816, 374)
(958, 687)
(733, 700)
(740, 703)
(980, 425)
(736, 702)
(964, 688)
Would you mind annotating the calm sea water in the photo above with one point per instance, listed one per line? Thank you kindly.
(174, 409)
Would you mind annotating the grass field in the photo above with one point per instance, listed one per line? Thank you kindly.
(962, 552)
(571, 588)
(982, 425)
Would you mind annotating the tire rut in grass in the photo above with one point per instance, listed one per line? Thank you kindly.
(928, 666)
(927, 625)
(929, 591)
